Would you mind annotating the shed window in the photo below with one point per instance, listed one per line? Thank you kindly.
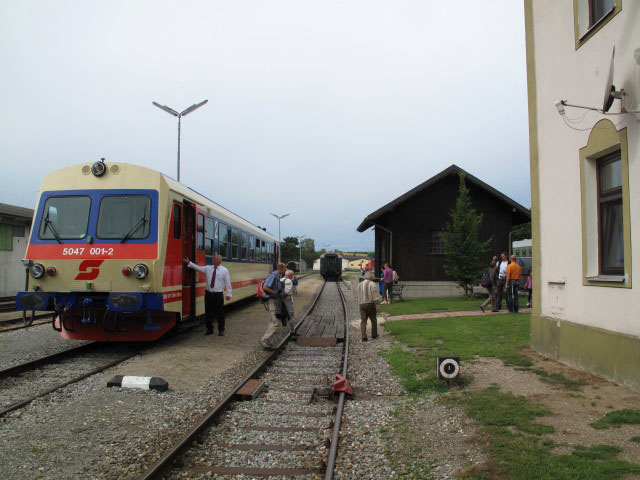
(6, 237)
(436, 247)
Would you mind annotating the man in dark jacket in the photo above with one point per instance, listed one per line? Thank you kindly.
(273, 287)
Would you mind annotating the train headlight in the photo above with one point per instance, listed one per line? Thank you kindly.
(51, 271)
(140, 271)
(98, 168)
(37, 270)
(126, 271)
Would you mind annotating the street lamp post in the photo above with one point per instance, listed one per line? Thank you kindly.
(279, 218)
(186, 111)
(300, 242)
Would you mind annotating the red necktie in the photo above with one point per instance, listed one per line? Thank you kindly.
(213, 278)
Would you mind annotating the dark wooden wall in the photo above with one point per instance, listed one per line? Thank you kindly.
(413, 220)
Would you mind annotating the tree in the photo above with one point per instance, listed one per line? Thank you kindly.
(309, 253)
(289, 249)
(461, 241)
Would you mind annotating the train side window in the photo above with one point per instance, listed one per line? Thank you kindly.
(252, 248)
(177, 222)
(234, 243)
(200, 232)
(223, 240)
(209, 236)
(263, 250)
(271, 253)
(244, 246)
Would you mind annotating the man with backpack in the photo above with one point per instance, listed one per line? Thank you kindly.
(490, 282)
(272, 288)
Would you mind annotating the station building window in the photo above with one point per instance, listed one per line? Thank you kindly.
(606, 232)
(6, 236)
(223, 240)
(591, 15)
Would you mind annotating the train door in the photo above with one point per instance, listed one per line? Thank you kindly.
(188, 250)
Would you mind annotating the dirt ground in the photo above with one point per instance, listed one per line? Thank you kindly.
(572, 409)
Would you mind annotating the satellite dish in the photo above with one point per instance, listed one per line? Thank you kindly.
(609, 88)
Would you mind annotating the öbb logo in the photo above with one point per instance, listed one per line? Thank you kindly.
(89, 270)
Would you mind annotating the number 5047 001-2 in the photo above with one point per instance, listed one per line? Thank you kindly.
(72, 251)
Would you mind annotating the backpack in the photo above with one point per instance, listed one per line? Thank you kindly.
(486, 280)
(261, 293)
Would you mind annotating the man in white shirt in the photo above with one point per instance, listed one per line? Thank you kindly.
(217, 280)
(368, 297)
(502, 278)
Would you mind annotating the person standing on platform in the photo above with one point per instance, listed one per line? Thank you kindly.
(390, 277)
(368, 298)
(217, 280)
(272, 287)
(513, 283)
(491, 289)
(502, 278)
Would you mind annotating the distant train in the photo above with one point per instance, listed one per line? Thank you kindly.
(106, 249)
(331, 266)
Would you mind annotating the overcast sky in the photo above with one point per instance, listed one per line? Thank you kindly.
(323, 110)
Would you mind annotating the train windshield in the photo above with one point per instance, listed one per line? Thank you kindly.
(65, 218)
(124, 217)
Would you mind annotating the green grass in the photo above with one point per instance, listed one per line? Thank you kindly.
(635, 439)
(555, 378)
(617, 418)
(431, 305)
(500, 336)
(491, 407)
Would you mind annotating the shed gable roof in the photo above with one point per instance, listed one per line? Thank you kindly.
(453, 169)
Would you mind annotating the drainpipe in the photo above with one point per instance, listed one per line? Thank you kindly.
(390, 239)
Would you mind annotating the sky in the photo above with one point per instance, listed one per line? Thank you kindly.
(322, 110)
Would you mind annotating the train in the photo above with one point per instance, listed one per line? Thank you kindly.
(331, 266)
(106, 250)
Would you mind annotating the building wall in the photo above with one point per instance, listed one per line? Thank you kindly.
(12, 273)
(591, 325)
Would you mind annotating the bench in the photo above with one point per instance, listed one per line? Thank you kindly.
(396, 292)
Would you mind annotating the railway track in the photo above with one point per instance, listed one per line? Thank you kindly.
(292, 427)
(23, 383)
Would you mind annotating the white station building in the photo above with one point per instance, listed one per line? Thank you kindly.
(585, 183)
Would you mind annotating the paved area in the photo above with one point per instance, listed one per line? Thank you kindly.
(467, 313)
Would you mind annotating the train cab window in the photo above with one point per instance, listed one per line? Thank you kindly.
(223, 240)
(65, 218)
(244, 246)
(252, 248)
(124, 216)
(177, 222)
(200, 232)
(208, 236)
(234, 244)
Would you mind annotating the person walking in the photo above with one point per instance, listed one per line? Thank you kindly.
(390, 277)
(273, 288)
(289, 283)
(368, 298)
(513, 283)
(502, 277)
(491, 289)
(217, 280)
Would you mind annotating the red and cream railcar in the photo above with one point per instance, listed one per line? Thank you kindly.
(106, 248)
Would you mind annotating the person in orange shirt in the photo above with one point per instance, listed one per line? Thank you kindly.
(512, 285)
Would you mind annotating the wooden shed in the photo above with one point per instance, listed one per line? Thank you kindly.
(407, 229)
